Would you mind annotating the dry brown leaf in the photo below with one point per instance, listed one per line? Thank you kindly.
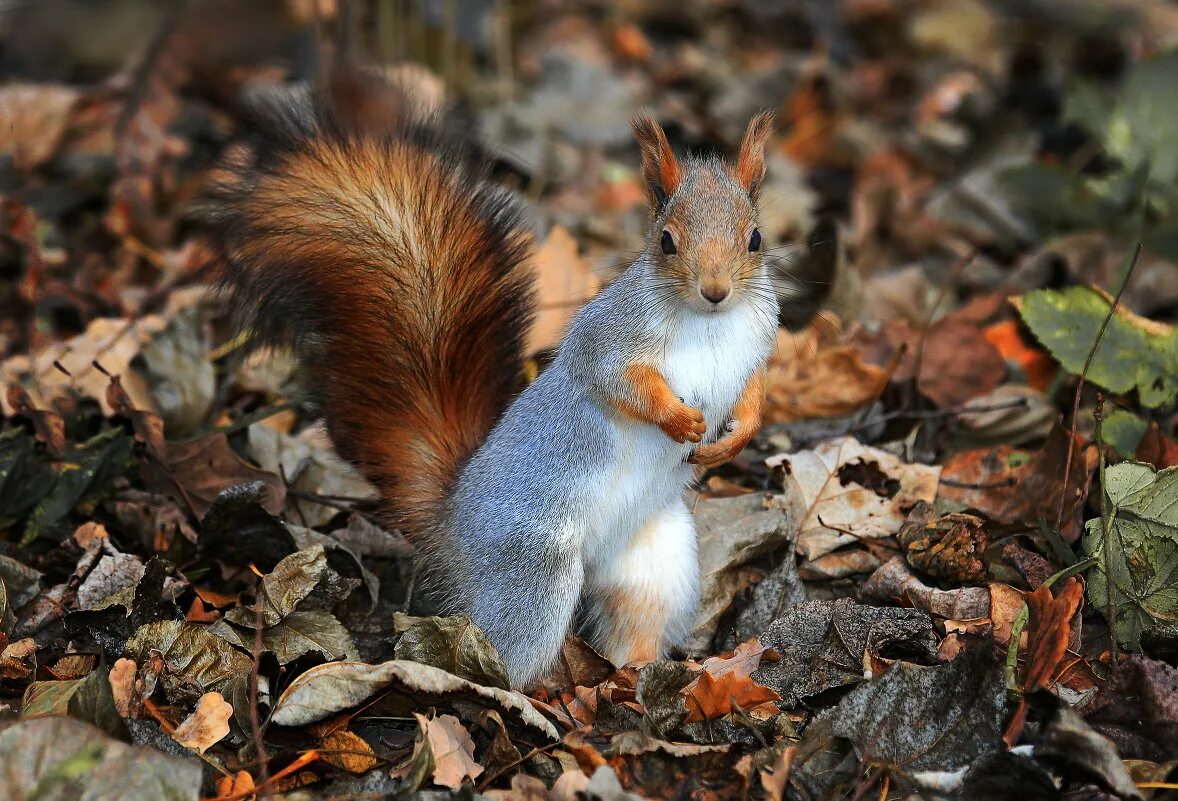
(773, 780)
(112, 342)
(564, 282)
(852, 492)
(205, 726)
(710, 697)
(235, 786)
(347, 750)
(452, 750)
(122, 685)
(36, 119)
(743, 660)
(199, 470)
(807, 380)
(1048, 631)
(1010, 485)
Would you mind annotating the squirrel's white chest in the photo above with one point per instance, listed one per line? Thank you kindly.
(710, 359)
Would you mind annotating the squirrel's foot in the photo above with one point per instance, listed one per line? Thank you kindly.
(684, 424)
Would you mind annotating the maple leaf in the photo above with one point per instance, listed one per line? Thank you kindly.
(711, 697)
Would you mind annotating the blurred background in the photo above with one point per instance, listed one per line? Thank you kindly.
(955, 147)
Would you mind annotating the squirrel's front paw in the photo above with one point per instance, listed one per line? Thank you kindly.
(724, 450)
(684, 424)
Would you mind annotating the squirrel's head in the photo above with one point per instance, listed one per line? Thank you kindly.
(704, 238)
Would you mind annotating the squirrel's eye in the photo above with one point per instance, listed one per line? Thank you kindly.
(755, 241)
(668, 243)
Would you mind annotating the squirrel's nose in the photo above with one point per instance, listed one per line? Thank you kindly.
(714, 294)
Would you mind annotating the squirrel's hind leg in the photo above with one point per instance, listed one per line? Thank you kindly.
(524, 602)
(644, 602)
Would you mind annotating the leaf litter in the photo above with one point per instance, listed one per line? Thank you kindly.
(945, 568)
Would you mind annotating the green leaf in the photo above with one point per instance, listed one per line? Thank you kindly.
(86, 473)
(1133, 352)
(1139, 558)
(1147, 129)
(1123, 431)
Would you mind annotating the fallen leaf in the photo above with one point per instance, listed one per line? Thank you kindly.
(1157, 448)
(348, 751)
(455, 645)
(1048, 632)
(205, 726)
(1037, 366)
(122, 684)
(564, 282)
(327, 689)
(743, 660)
(199, 470)
(825, 644)
(79, 761)
(960, 707)
(732, 533)
(447, 746)
(852, 492)
(1009, 485)
(712, 696)
(806, 380)
(894, 582)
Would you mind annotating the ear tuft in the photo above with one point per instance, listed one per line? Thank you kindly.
(660, 170)
(750, 164)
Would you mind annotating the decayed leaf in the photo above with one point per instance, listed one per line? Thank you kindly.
(1009, 485)
(199, 470)
(1134, 352)
(894, 582)
(1048, 632)
(852, 492)
(825, 644)
(446, 747)
(326, 689)
(195, 657)
(564, 282)
(927, 718)
(806, 380)
(456, 645)
(348, 751)
(946, 546)
(206, 725)
(55, 759)
(1140, 556)
(284, 587)
(732, 533)
(711, 697)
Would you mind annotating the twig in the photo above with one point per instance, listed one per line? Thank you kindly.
(1106, 522)
(1067, 465)
(255, 724)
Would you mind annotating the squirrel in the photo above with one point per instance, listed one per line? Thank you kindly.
(402, 277)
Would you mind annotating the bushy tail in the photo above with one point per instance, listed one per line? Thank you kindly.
(400, 277)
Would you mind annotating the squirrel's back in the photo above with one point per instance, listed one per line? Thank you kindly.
(399, 275)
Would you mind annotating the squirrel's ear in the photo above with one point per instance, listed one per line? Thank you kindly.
(750, 164)
(660, 171)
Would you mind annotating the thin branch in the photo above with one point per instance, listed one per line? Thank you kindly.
(1067, 465)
